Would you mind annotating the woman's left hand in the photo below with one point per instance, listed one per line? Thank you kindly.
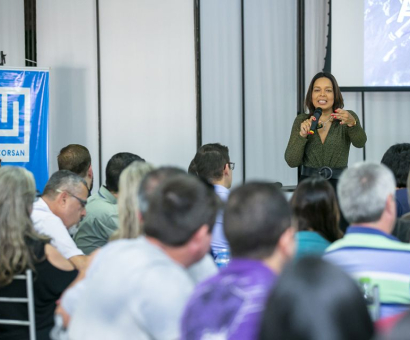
(345, 117)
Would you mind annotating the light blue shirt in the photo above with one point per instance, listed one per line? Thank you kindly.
(219, 241)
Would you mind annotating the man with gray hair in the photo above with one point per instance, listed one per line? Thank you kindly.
(368, 251)
(61, 206)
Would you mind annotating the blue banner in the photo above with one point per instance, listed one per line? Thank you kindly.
(24, 102)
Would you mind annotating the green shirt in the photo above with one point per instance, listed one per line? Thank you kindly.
(99, 223)
(334, 152)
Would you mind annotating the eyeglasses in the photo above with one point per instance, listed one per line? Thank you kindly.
(82, 202)
(231, 165)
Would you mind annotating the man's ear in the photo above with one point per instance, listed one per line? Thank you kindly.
(201, 236)
(391, 205)
(287, 244)
(202, 232)
(226, 169)
(61, 198)
(90, 172)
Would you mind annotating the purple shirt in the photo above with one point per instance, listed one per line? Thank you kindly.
(230, 304)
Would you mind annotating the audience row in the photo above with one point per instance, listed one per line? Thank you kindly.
(136, 260)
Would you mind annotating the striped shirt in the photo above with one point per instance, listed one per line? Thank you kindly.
(365, 252)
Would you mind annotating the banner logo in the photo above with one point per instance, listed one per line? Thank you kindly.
(15, 114)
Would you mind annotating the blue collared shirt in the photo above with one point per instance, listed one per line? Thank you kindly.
(219, 241)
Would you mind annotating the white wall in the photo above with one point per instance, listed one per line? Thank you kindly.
(148, 80)
(387, 122)
(270, 83)
(12, 32)
(221, 78)
(66, 42)
(270, 90)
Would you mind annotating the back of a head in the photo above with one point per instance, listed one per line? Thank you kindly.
(209, 161)
(397, 159)
(363, 190)
(255, 217)
(128, 205)
(63, 180)
(76, 158)
(115, 166)
(178, 208)
(151, 181)
(315, 207)
(17, 194)
(315, 300)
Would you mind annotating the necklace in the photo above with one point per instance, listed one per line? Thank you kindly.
(323, 124)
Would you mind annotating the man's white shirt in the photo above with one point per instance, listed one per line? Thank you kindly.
(46, 223)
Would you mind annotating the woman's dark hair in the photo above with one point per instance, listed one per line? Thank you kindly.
(315, 300)
(397, 159)
(338, 98)
(315, 208)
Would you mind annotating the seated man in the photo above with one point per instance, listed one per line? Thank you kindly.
(61, 206)
(102, 210)
(139, 287)
(368, 251)
(212, 162)
(77, 158)
(397, 159)
(229, 305)
(402, 227)
(198, 271)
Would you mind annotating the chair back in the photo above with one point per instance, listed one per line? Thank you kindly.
(29, 300)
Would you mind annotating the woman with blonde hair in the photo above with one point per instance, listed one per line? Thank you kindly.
(21, 248)
(128, 205)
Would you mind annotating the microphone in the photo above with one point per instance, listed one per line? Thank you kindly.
(316, 114)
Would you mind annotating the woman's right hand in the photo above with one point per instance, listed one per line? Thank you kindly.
(305, 126)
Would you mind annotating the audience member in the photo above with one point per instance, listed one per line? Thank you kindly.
(316, 214)
(129, 183)
(314, 300)
(134, 210)
(212, 163)
(397, 159)
(366, 195)
(204, 268)
(102, 210)
(146, 296)
(61, 206)
(22, 248)
(130, 225)
(77, 159)
(229, 305)
(402, 227)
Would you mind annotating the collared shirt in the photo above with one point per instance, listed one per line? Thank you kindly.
(219, 241)
(142, 296)
(100, 222)
(46, 223)
(366, 252)
(230, 304)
